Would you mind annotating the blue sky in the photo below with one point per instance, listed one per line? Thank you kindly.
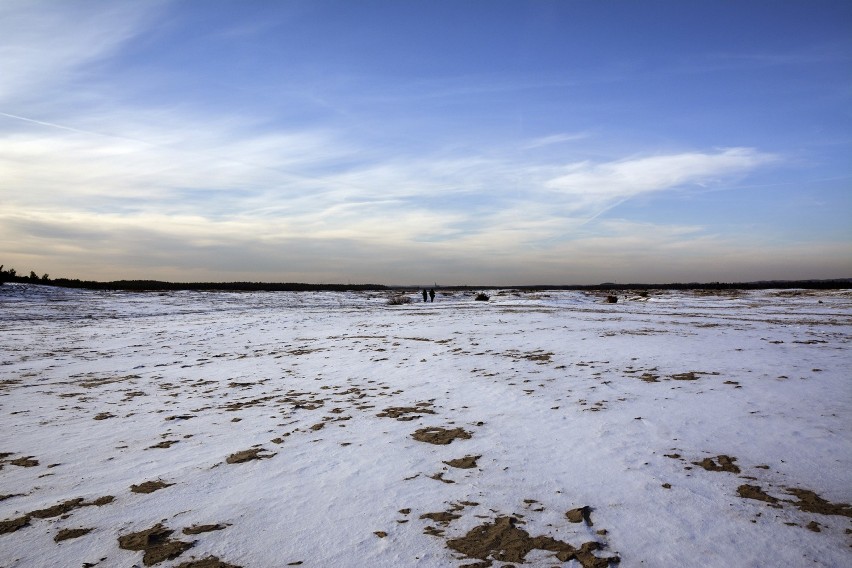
(458, 142)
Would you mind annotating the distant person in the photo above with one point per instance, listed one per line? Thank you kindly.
(431, 294)
(424, 294)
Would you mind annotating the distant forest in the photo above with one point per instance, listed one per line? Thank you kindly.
(11, 275)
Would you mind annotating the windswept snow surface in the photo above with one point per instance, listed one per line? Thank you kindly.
(699, 430)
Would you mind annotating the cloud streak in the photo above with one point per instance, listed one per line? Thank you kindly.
(635, 176)
(555, 139)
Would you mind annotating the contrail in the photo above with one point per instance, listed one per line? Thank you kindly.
(604, 210)
(72, 129)
(51, 124)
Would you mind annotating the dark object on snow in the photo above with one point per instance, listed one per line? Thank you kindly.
(424, 294)
(432, 295)
(580, 514)
(611, 299)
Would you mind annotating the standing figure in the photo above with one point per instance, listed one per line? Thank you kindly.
(424, 294)
(432, 294)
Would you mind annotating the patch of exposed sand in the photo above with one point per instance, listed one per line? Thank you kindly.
(503, 541)
(66, 534)
(755, 492)
(440, 436)
(810, 502)
(248, 455)
(467, 462)
(580, 514)
(11, 525)
(406, 413)
(442, 518)
(209, 562)
(725, 463)
(150, 486)
(164, 444)
(198, 529)
(26, 461)
(155, 543)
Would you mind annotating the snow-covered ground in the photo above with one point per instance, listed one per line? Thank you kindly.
(679, 429)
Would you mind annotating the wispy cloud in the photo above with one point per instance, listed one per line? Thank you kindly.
(555, 139)
(44, 44)
(635, 176)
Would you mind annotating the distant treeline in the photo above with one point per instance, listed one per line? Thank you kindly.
(154, 285)
(835, 284)
(11, 275)
(832, 284)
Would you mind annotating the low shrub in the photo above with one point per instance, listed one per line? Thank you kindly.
(482, 297)
(611, 299)
(399, 300)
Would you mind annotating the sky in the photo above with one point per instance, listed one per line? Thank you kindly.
(457, 142)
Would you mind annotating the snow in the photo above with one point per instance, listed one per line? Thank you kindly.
(547, 384)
